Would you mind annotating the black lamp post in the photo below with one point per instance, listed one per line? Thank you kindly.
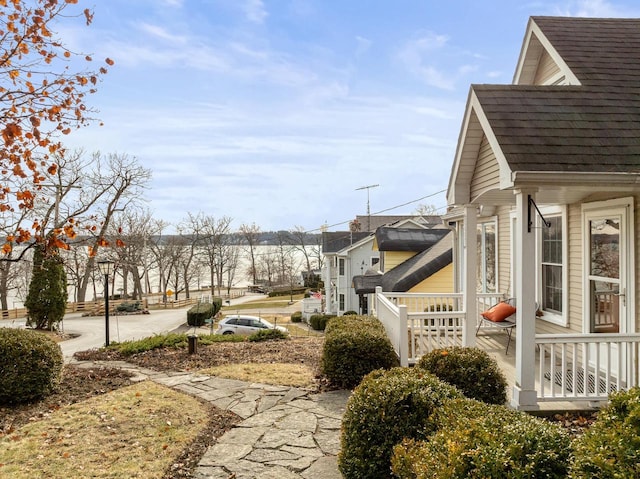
(106, 268)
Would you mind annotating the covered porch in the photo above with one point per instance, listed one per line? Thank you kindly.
(568, 371)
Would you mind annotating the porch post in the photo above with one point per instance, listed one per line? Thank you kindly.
(470, 280)
(524, 392)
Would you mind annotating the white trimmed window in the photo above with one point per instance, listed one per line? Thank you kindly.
(552, 265)
(487, 243)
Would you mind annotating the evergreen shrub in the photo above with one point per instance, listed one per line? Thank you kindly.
(198, 313)
(471, 370)
(296, 317)
(385, 408)
(267, 335)
(129, 307)
(611, 446)
(319, 321)
(353, 347)
(474, 439)
(30, 365)
(350, 313)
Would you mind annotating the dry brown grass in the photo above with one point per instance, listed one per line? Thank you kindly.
(136, 431)
(296, 375)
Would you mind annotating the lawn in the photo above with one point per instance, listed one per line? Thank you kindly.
(100, 424)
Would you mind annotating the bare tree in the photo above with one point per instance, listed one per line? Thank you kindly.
(120, 180)
(250, 235)
(14, 276)
(160, 249)
(299, 239)
(134, 227)
(187, 266)
(267, 266)
(214, 246)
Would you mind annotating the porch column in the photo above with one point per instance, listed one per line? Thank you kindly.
(524, 392)
(470, 269)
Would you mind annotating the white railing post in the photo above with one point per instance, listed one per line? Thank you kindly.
(403, 347)
(470, 281)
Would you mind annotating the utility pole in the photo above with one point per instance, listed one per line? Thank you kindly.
(368, 187)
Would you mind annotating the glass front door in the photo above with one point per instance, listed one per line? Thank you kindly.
(606, 288)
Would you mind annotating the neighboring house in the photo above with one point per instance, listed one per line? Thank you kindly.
(412, 260)
(349, 254)
(346, 254)
(374, 222)
(543, 196)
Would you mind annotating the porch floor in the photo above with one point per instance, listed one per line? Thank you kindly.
(495, 344)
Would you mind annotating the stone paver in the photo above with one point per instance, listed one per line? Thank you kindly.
(286, 433)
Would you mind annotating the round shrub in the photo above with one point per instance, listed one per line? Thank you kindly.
(353, 347)
(267, 335)
(386, 407)
(30, 365)
(350, 313)
(296, 317)
(471, 370)
(319, 321)
(474, 439)
(611, 446)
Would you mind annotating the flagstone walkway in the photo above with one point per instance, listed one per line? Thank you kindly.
(286, 433)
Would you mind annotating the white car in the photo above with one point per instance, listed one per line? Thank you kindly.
(241, 324)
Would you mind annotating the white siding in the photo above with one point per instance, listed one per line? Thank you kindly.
(487, 172)
(547, 69)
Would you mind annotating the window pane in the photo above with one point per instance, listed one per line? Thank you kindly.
(552, 241)
(605, 242)
(486, 267)
(552, 265)
(490, 257)
(552, 288)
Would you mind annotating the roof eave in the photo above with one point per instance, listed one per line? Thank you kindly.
(551, 178)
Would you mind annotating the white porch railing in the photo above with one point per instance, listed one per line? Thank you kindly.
(417, 323)
(586, 367)
(571, 367)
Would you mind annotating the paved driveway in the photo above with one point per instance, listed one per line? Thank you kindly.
(91, 329)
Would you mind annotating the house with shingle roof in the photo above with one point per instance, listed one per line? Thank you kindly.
(356, 262)
(543, 198)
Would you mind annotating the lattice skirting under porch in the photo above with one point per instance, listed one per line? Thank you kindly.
(591, 382)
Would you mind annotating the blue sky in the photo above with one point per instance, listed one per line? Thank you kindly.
(275, 112)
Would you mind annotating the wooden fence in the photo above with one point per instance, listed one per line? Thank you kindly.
(96, 308)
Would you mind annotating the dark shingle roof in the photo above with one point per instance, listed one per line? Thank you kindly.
(599, 51)
(421, 266)
(366, 283)
(564, 128)
(334, 241)
(408, 239)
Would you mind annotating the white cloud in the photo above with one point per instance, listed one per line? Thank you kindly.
(363, 45)
(161, 33)
(595, 8)
(255, 11)
(416, 56)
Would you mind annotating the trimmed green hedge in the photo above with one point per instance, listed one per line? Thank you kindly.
(319, 321)
(199, 313)
(474, 439)
(611, 446)
(267, 335)
(30, 365)
(296, 317)
(385, 408)
(353, 347)
(471, 370)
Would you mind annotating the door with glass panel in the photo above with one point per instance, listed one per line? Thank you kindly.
(607, 283)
